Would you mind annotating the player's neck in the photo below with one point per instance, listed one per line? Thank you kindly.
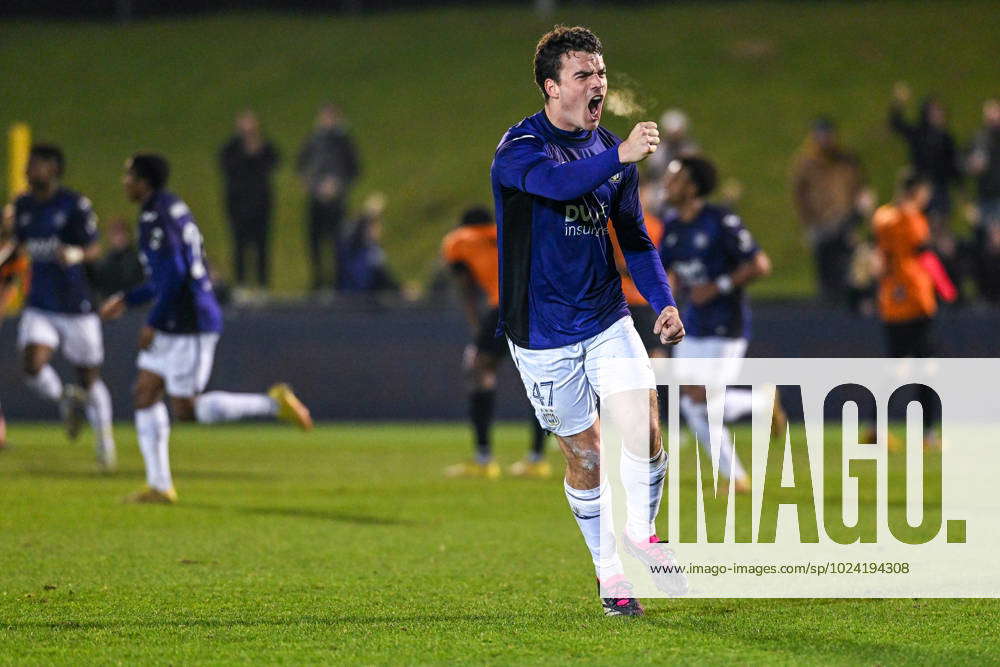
(554, 121)
(46, 192)
(688, 211)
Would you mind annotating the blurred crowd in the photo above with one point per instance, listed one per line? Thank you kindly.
(835, 203)
(344, 250)
(829, 185)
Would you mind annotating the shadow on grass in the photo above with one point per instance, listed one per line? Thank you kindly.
(306, 513)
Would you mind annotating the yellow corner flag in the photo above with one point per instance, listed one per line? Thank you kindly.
(18, 146)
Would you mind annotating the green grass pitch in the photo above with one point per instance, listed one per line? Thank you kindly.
(347, 545)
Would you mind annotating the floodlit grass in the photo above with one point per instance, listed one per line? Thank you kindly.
(347, 545)
(430, 93)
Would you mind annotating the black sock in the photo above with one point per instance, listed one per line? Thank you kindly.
(537, 441)
(481, 413)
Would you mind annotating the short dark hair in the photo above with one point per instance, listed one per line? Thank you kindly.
(152, 168)
(556, 42)
(477, 215)
(701, 172)
(49, 153)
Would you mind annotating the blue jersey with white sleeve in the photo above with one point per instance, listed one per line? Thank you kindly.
(40, 228)
(554, 192)
(713, 244)
(171, 252)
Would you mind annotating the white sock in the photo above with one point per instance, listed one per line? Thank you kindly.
(46, 384)
(99, 414)
(643, 481)
(152, 425)
(739, 402)
(587, 506)
(696, 415)
(224, 406)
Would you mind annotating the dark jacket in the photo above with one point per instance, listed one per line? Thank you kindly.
(248, 178)
(932, 150)
(329, 153)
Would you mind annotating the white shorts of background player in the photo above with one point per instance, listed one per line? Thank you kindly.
(563, 383)
(78, 337)
(184, 361)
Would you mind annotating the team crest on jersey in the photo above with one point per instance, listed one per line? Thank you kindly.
(700, 240)
(671, 240)
(617, 178)
(549, 417)
(59, 219)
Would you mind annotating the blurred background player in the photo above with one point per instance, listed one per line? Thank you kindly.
(910, 275)
(557, 177)
(642, 313)
(13, 268)
(57, 229)
(471, 252)
(177, 345)
(711, 257)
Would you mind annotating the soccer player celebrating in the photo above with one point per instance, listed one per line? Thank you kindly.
(557, 178)
(57, 229)
(712, 256)
(471, 252)
(177, 345)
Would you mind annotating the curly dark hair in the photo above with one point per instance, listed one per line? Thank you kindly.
(556, 42)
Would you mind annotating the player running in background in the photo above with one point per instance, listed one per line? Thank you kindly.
(57, 229)
(910, 274)
(471, 252)
(12, 268)
(177, 345)
(711, 257)
(557, 177)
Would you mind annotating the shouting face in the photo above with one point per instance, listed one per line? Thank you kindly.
(576, 100)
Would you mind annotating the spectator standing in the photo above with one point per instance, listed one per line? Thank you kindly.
(247, 160)
(984, 164)
(119, 270)
(830, 195)
(328, 166)
(932, 152)
(675, 142)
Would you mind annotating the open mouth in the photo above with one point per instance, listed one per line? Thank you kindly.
(594, 106)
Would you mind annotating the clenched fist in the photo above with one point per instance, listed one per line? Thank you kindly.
(641, 143)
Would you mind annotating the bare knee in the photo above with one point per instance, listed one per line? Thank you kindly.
(481, 372)
(696, 393)
(183, 409)
(88, 376)
(34, 359)
(148, 390)
(583, 458)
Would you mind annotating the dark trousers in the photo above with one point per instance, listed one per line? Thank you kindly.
(833, 263)
(324, 239)
(250, 235)
(915, 338)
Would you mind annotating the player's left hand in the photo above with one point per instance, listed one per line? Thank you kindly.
(703, 293)
(146, 335)
(669, 327)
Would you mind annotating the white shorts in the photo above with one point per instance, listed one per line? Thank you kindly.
(184, 361)
(709, 360)
(77, 336)
(563, 383)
